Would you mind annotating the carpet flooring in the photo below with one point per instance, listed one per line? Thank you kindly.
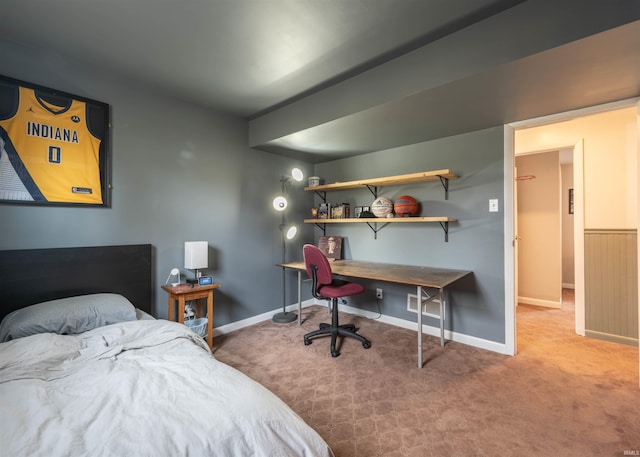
(562, 395)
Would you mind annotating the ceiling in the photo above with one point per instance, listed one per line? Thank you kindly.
(251, 58)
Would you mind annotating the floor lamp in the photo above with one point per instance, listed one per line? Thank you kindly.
(280, 204)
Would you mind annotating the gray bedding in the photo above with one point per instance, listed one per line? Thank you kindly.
(140, 388)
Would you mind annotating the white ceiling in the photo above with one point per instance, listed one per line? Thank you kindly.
(250, 58)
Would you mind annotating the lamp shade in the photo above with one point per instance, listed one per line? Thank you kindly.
(280, 203)
(297, 174)
(196, 254)
(291, 232)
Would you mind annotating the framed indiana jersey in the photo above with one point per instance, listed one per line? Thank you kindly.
(54, 147)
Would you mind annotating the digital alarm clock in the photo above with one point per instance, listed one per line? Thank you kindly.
(205, 280)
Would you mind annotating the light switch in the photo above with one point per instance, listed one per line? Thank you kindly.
(493, 205)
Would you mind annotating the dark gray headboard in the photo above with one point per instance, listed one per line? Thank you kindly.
(31, 276)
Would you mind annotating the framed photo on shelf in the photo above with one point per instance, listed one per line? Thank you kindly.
(55, 147)
(331, 247)
(340, 211)
(324, 211)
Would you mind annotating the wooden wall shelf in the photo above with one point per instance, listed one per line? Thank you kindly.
(373, 184)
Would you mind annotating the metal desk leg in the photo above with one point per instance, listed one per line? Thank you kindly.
(299, 297)
(419, 305)
(441, 297)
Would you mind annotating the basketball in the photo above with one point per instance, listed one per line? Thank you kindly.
(406, 206)
(381, 207)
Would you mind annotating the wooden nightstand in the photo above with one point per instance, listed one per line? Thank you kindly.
(186, 292)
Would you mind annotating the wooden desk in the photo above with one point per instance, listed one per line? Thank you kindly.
(429, 282)
(185, 292)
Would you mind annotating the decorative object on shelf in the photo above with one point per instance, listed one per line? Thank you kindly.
(381, 207)
(331, 247)
(280, 204)
(175, 273)
(314, 212)
(314, 181)
(323, 211)
(342, 211)
(196, 255)
(405, 206)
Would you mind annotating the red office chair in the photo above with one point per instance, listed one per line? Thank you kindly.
(326, 288)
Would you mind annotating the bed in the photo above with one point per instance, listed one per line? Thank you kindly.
(85, 371)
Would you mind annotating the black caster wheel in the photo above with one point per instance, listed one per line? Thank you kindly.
(335, 354)
(366, 345)
(307, 342)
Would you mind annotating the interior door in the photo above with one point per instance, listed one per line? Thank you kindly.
(539, 229)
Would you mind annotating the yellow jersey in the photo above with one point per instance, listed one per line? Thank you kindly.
(51, 150)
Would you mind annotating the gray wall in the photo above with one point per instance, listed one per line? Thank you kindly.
(180, 173)
(475, 242)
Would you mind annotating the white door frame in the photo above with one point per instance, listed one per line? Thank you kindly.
(509, 215)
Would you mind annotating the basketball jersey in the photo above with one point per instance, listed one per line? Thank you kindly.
(48, 153)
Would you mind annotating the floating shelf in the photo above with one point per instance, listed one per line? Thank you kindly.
(373, 184)
(374, 221)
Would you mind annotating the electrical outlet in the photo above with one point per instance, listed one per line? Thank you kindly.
(379, 293)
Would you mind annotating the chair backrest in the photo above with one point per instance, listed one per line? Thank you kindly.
(314, 257)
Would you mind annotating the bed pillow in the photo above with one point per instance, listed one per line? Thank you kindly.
(67, 316)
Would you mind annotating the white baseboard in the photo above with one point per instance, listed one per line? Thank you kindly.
(500, 348)
(539, 302)
(430, 330)
(257, 319)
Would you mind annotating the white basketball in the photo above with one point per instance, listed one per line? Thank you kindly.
(381, 207)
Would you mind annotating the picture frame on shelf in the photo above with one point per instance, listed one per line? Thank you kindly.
(324, 211)
(331, 247)
(341, 211)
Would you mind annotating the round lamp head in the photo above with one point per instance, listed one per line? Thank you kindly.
(296, 174)
(280, 203)
(291, 232)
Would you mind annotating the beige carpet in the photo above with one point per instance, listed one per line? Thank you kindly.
(562, 395)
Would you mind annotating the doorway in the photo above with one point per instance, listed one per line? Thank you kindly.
(555, 133)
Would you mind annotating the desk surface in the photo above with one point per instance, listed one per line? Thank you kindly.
(436, 278)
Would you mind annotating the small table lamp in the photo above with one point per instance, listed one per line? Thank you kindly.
(174, 273)
(196, 255)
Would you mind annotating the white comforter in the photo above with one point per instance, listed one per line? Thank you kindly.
(140, 388)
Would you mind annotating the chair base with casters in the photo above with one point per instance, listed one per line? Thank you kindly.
(334, 329)
(325, 287)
